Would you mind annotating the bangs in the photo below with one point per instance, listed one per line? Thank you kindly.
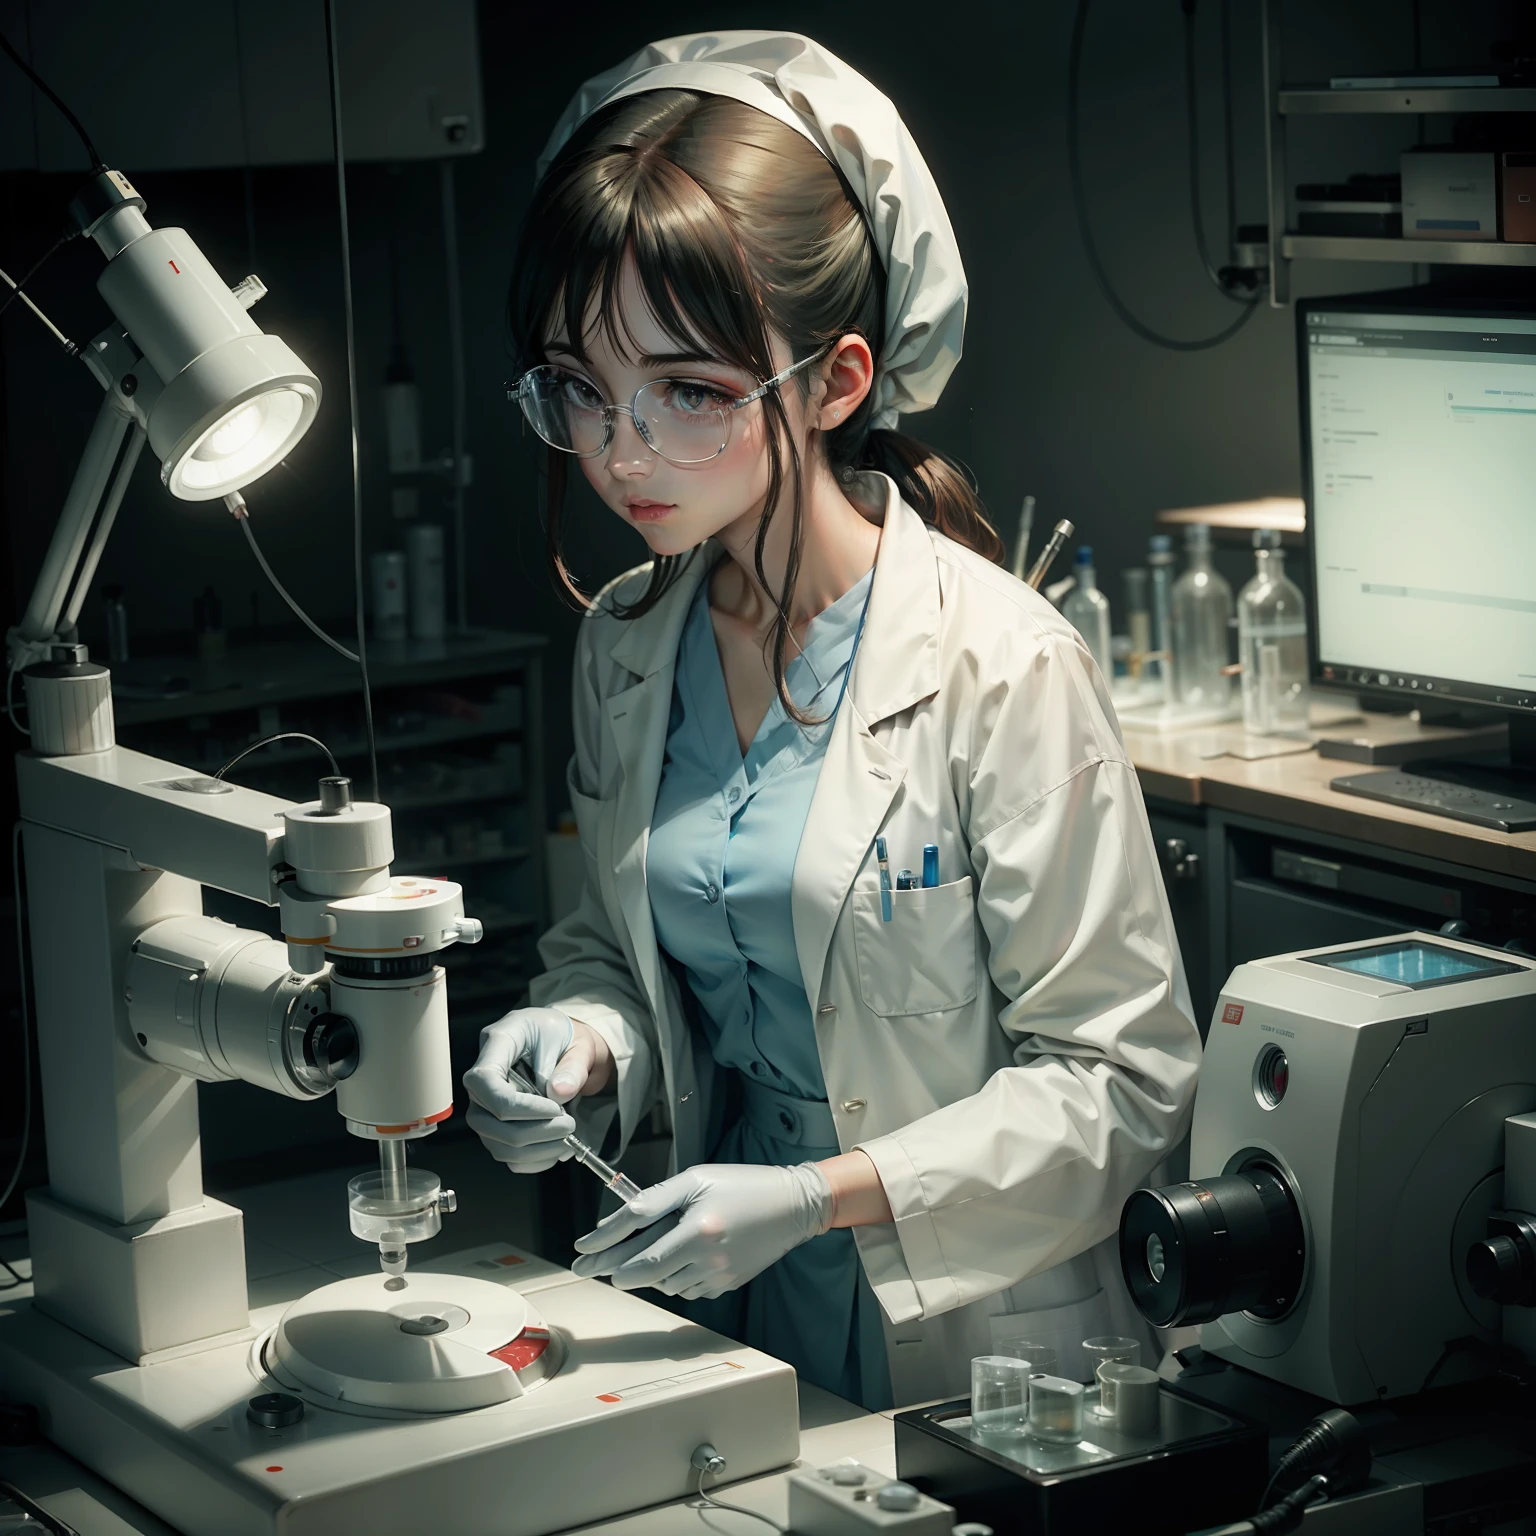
(610, 203)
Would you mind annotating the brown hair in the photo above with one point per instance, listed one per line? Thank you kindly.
(740, 228)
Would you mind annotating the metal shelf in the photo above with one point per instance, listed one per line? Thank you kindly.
(491, 723)
(1470, 253)
(1411, 100)
(403, 803)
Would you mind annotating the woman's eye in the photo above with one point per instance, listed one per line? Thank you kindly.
(689, 397)
(580, 393)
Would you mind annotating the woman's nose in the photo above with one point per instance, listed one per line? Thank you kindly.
(629, 455)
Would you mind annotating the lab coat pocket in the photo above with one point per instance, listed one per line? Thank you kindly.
(587, 811)
(924, 959)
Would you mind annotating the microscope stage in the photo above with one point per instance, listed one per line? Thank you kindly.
(600, 1421)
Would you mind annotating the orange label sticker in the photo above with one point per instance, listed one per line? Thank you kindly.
(1232, 1014)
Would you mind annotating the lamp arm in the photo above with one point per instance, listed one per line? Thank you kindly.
(104, 524)
(41, 619)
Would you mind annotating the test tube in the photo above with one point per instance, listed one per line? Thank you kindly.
(620, 1183)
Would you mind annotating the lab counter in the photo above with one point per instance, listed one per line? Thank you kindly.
(1261, 856)
(297, 1237)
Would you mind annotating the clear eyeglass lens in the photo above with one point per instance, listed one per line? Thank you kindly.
(686, 423)
(681, 421)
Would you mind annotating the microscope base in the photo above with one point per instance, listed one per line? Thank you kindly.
(638, 1389)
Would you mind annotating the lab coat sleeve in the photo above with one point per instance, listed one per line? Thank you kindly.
(1033, 1169)
(586, 973)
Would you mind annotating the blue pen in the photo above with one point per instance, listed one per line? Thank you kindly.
(885, 879)
(930, 865)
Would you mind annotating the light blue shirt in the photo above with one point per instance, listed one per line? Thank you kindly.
(724, 838)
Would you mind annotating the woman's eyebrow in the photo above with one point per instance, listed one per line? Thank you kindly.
(677, 359)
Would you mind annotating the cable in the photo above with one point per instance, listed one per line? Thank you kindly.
(26, 299)
(16, 288)
(357, 483)
(10, 712)
(97, 163)
(1192, 130)
(266, 741)
(16, 1277)
(242, 516)
(736, 1509)
(35, 1511)
(26, 1031)
(1085, 228)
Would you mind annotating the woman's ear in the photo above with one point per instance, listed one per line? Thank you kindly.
(848, 374)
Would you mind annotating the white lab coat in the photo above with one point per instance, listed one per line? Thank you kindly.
(1015, 1051)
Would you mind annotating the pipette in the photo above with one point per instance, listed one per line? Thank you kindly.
(1059, 536)
(620, 1183)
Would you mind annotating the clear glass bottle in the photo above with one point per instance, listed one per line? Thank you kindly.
(1272, 643)
(1202, 616)
(1160, 562)
(1138, 619)
(1087, 610)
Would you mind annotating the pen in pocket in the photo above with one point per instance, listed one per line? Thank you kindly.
(930, 865)
(883, 859)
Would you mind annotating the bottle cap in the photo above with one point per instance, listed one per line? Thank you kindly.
(1159, 542)
(1266, 538)
(1085, 554)
(1197, 536)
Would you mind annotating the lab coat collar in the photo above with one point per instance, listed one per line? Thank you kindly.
(646, 648)
(898, 659)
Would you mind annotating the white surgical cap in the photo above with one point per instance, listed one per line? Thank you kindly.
(856, 127)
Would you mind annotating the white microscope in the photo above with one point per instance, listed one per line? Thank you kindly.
(379, 1401)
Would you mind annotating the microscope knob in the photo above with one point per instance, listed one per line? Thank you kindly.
(469, 930)
(1500, 1270)
(275, 1410)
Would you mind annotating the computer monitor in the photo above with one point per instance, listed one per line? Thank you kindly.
(1419, 463)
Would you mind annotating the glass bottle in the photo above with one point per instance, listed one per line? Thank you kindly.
(1138, 619)
(1160, 561)
(1272, 643)
(1087, 610)
(1202, 615)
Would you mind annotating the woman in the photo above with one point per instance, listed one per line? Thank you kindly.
(903, 1121)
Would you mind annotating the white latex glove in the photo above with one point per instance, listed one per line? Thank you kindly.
(718, 1225)
(523, 1130)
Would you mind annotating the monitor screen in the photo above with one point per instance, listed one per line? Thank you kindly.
(1420, 447)
(1413, 963)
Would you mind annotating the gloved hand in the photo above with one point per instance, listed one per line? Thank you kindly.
(725, 1223)
(561, 1057)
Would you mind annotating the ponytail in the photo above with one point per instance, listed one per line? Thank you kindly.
(939, 489)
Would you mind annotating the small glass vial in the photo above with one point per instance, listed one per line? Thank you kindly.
(1160, 565)
(1055, 1409)
(1272, 644)
(1087, 610)
(1202, 619)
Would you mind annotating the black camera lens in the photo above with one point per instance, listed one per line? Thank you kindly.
(1196, 1251)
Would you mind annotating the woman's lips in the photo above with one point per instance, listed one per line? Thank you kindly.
(649, 511)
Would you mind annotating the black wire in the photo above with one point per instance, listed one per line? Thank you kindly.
(15, 293)
(15, 1279)
(1192, 133)
(35, 1511)
(1085, 228)
(266, 741)
(97, 163)
(346, 305)
(1228, 137)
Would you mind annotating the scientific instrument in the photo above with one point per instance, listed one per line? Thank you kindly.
(1158, 669)
(370, 1402)
(1272, 644)
(1202, 621)
(1087, 610)
(1350, 1129)
(1416, 450)
(1053, 547)
(1021, 538)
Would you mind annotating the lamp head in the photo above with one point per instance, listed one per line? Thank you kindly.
(221, 401)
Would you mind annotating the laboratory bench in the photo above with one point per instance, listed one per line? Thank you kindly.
(1260, 856)
(297, 1237)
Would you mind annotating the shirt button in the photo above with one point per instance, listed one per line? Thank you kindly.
(757, 1068)
(711, 892)
(734, 796)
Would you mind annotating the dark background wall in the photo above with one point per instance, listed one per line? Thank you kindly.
(1054, 396)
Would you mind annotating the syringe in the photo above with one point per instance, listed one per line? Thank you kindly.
(620, 1183)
